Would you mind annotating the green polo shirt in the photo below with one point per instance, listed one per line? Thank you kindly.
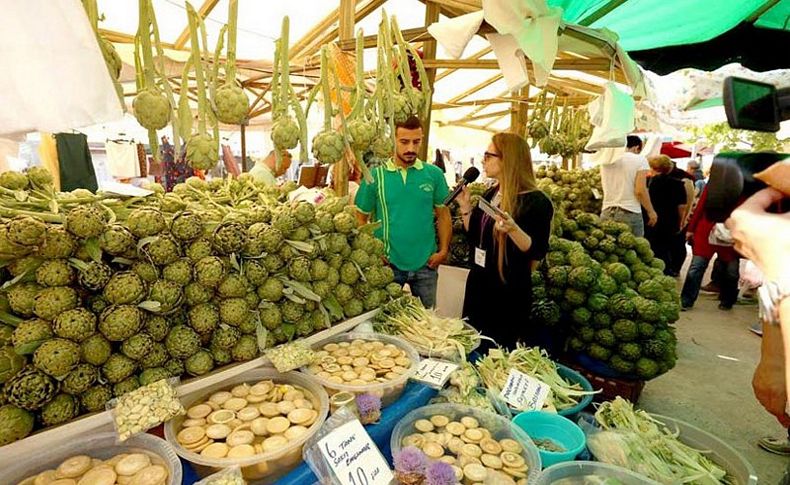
(403, 201)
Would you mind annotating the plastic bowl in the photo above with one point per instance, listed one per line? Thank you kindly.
(585, 472)
(103, 446)
(389, 391)
(268, 466)
(561, 430)
(717, 450)
(499, 427)
(451, 355)
(574, 377)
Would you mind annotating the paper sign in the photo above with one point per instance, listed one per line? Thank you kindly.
(596, 194)
(353, 457)
(489, 209)
(434, 372)
(480, 257)
(523, 392)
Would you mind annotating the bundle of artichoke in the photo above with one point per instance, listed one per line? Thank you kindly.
(575, 189)
(98, 302)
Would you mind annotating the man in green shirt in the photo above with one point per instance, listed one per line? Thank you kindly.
(407, 197)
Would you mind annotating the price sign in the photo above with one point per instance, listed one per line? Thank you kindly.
(434, 372)
(523, 392)
(353, 457)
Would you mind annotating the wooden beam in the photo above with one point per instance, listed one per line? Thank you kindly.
(761, 10)
(476, 55)
(485, 116)
(467, 6)
(470, 125)
(493, 121)
(476, 88)
(410, 35)
(429, 53)
(600, 12)
(559, 64)
(313, 41)
(122, 38)
(346, 19)
(576, 85)
(203, 11)
(258, 98)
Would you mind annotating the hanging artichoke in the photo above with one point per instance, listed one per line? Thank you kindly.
(151, 109)
(230, 101)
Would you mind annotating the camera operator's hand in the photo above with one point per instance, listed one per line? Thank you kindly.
(763, 237)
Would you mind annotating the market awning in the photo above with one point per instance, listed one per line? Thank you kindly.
(675, 149)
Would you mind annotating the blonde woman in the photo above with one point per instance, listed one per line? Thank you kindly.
(507, 248)
(669, 199)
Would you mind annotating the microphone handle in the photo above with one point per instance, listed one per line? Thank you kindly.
(458, 188)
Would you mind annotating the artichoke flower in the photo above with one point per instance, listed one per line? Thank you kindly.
(125, 288)
(95, 398)
(15, 424)
(169, 295)
(13, 180)
(155, 374)
(57, 357)
(199, 249)
(382, 147)
(119, 322)
(85, 221)
(51, 302)
(127, 385)
(54, 272)
(186, 226)
(234, 285)
(155, 357)
(145, 222)
(209, 271)
(328, 147)
(151, 109)
(26, 230)
(30, 332)
(157, 327)
(77, 324)
(94, 275)
(60, 410)
(199, 363)
(401, 108)
(145, 270)
(285, 133)
(137, 346)
(232, 104)
(234, 311)
(229, 237)
(163, 250)
(80, 379)
(95, 350)
(182, 342)
(362, 133)
(30, 389)
(225, 337)
(10, 363)
(195, 294)
(245, 349)
(179, 272)
(202, 152)
(117, 240)
(111, 57)
(57, 243)
(117, 368)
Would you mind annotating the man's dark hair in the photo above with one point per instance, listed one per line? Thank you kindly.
(411, 123)
(632, 141)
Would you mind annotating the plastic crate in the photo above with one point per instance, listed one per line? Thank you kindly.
(610, 387)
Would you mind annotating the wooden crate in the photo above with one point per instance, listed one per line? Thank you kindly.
(609, 386)
(102, 421)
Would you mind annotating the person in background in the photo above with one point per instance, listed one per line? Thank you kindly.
(698, 232)
(668, 197)
(459, 170)
(695, 169)
(266, 170)
(624, 183)
(507, 249)
(438, 160)
(749, 224)
(678, 243)
(407, 196)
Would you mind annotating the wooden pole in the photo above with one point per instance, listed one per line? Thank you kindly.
(346, 32)
(244, 167)
(519, 114)
(429, 53)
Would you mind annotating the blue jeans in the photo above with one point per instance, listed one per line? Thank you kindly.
(729, 284)
(422, 283)
(633, 219)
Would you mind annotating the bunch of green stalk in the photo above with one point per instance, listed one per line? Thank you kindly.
(535, 362)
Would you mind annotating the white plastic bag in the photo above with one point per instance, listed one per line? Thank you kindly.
(227, 476)
(617, 119)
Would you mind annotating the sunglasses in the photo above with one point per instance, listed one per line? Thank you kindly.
(489, 155)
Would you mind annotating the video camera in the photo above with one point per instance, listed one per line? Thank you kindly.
(750, 105)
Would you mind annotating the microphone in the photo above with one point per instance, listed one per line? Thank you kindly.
(469, 176)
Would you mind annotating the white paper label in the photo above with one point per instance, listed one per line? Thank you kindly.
(523, 392)
(434, 372)
(480, 257)
(596, 194)
(353, 457)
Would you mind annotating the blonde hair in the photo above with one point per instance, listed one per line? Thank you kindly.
(516, 178)
(660, 163)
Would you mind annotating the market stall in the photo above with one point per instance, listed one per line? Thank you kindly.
(233, 329)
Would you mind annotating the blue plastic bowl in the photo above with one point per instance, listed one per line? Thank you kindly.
(561, 430)
(571, 375)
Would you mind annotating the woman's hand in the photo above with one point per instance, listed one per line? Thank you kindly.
(464, 200)
(505, 224)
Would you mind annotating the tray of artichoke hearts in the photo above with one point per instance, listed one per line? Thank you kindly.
(258, 421)
(481, 447)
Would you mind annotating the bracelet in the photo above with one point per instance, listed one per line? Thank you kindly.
(466, 213)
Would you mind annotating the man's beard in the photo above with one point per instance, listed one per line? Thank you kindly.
(408, 158)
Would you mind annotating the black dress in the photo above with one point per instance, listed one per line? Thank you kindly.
(498, 309)
(666, 194)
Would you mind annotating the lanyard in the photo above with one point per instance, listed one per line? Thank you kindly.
(486, 219)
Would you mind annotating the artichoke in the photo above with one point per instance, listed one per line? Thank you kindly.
(156, 374)
(146, 222)
(232, 104)
(77, 324)
(204, 318)
(146, 271)
(95, 398)
(179, 272)
(299, 269)
(30, 389)
(262, 238)
(60, 410)
(234, 311)
(229, 237)
(255, 272)
(163, 250)
(157, 327)
(95, 350)
(117, 368)
(125, 386)
(10, 363)
(15, 424)
(85, 221)
(195, 294)
(155, 357)
(328, 147)
(57, 243)
(202, 152)
(31, 331)
(186, 226)
(199, 249)
(233, 285)
(54, 272)
(13, 180)
(175, 367)
(285, 133)
(26, 230)
(57, 357)
(137, 346)
(22, 266)
(10, 249)
(111, 58)
(119, 322)
(304, 212)
(6, 331)
(209, 271)
(225, 337)
(94, 275)
(51, 302)
(271, 290)
(221, 356)
(344, 223)
(199, 363)
(151, 109)
(401, 108)
(362, 133)
(117, 240)
(125, 288)
(168, 294)
(381, 146)
(80, 379)
(182, 342)
(245, 349)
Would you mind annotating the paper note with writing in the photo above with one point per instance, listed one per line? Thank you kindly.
(480, 257)
(523, 392)
(353, 457)
(434, 372)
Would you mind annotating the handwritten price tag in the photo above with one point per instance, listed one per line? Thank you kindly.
(434, 372)
(523, 392)
(353, 457)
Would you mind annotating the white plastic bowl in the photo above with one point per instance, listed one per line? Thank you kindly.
(389, 391)
(499, 427)
(268, 466)
(584, 472)
(102, 446)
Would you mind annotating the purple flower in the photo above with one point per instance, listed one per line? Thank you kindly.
(410, 460)
(440, 473)
(368, 404)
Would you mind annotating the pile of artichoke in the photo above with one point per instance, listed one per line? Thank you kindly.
(106, 295)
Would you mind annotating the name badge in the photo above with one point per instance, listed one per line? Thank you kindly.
(480, 257)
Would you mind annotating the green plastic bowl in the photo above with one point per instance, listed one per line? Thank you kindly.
(561, 430)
